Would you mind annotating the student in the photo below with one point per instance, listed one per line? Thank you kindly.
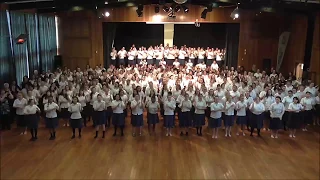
(286, 101)
(277, 110)
(99, 115)
(153, 108)
(75, 109)
(137, 114)
(317, 101)
(257, 108)
(32, 118)
(5, 110)
(118, 118)
(19, 105)
(199, 113)
(185, 118)
(215, 117)
(308, 103)
(83, 102)
(64, 103)
(229, 115)
(169, 106)
(242, 118)
(267, 100)
(52, 122)
(294, 122)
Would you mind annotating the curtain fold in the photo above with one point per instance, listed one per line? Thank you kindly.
(109, 35)
(5, 49)
(48, 43)
(31, 29)
(232, 44)
(20, 55)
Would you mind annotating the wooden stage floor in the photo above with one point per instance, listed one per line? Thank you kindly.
(159, 157)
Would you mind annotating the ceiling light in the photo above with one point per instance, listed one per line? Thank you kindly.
(185, 9)
(107, 14)
(165, 9)
(177, 9)
(106, 2)
(235, 13)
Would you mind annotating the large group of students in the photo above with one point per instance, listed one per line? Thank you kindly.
(193, 96)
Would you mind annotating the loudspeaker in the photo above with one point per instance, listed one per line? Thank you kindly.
(57, 61)
(266, 66)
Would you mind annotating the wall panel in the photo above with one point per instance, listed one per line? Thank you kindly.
(315, 57)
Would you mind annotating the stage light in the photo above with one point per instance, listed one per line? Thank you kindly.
(156, 9)
(107, 14)
(106, 2)
(140, 10)
(185, 9)
(235, 13)
(177, 9)
(166, 9)
(204, 14)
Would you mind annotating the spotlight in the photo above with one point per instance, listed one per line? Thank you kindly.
(204, 14)
(185, 9)
(166, 9)
(177, 9)
(156, 9)
(235, 13)
(107, 14)
(140, 10)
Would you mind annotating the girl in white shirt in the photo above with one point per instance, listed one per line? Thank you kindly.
(229, 115)
(153, 108)
(99, 118)
(169, 106)
(242, 118)
(200, 106)
(215, 117)
(257, 108)
(118, 117)
(52, 121)
(277, 110)
(83, 101)
(295, 121)
(317, 101)
(267, 101)
(64, 103)
(185, 117)
(19, 105)
(286, 101)
(137, 107)
(308, 103)
(32, 118)
(75, 109)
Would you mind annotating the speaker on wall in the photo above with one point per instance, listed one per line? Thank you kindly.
(267, 65)
(57, 61)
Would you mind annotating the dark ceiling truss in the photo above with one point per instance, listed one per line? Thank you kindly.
(44, 6)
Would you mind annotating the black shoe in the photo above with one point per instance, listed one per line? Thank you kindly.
(79, 136)
(95, 136)
(187, 133)
(181, 134)
(102, 137)
(73, 136)
(114, 134)
(36, 137)
(51, 138)
(122, 134)
(259, 135)
(31, 139)
(200, 134)
(251, 135)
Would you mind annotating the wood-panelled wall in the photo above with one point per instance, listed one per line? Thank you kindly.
(81, 39)
(315, 57)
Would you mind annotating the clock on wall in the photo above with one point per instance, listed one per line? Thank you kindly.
(180, 1)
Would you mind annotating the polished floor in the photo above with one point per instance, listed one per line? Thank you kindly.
(159, 157)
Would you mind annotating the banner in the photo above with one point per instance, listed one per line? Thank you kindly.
(283, 41)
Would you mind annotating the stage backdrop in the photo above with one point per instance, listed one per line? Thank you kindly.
(120, 35)
(207, 35)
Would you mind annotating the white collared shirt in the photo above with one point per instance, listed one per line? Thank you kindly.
(19, 105)
(51, 110)
(29, 110)
(75, 110)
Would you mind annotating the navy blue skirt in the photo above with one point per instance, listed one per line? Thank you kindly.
(199, 120)
(122, 62)
(182, 62)
(118, 119)
(295, 120)
(256, 121)
(185, 119)
(137, 120)
(228, 120)
(170, 62)
(149, 61)
(318, 110)
(275, 124)
(21, 122)
(168, 121)
(138, 61)
(157, 61)
(99, 118)
(152, 118)
(108, 112)
(307, 117)
(64, 114)
(209, 62)
(241, 120)
(200, 61)
(131, 62)
(52, 123)
(76, 123)
(215, 123)
(32, 120)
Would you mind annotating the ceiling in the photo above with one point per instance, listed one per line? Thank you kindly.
(47, 6)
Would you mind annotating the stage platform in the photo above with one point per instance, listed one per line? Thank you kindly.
(159, 157)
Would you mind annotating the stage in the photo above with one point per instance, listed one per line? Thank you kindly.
(159, 157)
